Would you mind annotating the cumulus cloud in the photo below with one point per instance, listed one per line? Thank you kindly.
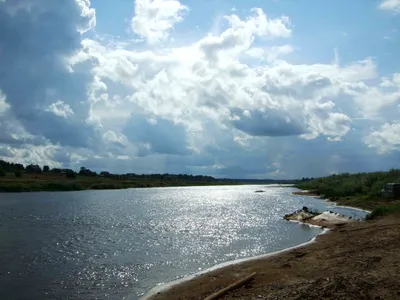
(154, 19)
(240, 35)
(385, 139)
(60, 109)
(229, 104)
(207, 80)
(37, 38)
(390, 5)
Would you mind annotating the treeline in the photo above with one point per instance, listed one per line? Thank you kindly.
(6, 167)
(185, 177)
(348, 185)
(18, 169)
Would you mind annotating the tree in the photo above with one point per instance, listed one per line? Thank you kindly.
(2, 173)
(17, 173)
(86, 172)
(33, 169)
(19, 166)
(46, 169)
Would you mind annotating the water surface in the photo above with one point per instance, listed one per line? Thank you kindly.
(119, 244)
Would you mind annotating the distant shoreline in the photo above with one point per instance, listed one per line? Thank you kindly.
(83, 184)
(65, 186)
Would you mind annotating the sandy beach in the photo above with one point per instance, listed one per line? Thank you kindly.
(356, 260)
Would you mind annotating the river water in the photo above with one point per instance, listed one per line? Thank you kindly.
(119, 244)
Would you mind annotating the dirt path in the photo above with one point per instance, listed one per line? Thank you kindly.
(354, 261)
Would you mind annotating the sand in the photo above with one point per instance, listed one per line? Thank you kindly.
(356, 260)
(305, 193)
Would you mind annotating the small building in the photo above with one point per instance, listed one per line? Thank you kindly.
(391, 190)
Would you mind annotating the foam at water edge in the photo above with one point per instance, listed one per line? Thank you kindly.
(166, 286)
(305, 224)
(348, 207)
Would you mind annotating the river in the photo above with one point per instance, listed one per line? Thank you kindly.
(118, 244)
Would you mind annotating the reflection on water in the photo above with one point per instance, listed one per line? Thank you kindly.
(119, 244)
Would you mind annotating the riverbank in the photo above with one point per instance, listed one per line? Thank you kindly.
(52, 182)
(356, 260)
(57, 182)
(375, 207)
(361, 190)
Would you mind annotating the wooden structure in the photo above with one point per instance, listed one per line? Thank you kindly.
(391, 190)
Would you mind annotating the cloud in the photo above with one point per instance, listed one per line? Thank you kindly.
(209, 81)
(154, 19)
(386, 139)
(60, 109)
(266, 123)
(238, 102)
(37, 38)
(241, 34)
(390, 5)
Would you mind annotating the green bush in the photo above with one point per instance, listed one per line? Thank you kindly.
(349, 185)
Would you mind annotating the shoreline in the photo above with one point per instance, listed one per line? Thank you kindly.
(165, 287)
(204, 283)
(162, 288)
(357, 266)
(348, 207)
(334, 203)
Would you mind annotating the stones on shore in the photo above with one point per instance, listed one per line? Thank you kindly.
(301, 214)
(324, 219)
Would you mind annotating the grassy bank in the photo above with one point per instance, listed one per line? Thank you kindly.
(362, 190)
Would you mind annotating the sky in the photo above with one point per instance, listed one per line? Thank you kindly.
(227, 88)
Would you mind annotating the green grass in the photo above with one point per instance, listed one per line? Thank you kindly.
(383, 210)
